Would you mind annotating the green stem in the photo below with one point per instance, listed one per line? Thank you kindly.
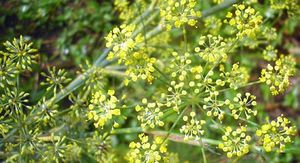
(114, 72)
(127, 130)
(218, 8)
(203, 154)
(246, 85)
(175, 123)
(185, 39)
(243, 119)
(180, 138)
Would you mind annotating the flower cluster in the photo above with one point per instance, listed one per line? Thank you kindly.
(270, 53)
(13, 101)
(21, 52)
(18, 57)
(94, 78)
(128, 11)
(213, 25)
(140, 66)
(277, 76)
(121, 41)
(55, 80)
(243, 105)
(192, 129)
(150, 116)
(8, 72)
(185, 78)
(276, 134)
(212, 49)
(245, 19)
(283, 4)
(125, 47)
(103, 108)
(235, 142)
(177, 13)
(145, 151)
(214, 106)
(237, 77)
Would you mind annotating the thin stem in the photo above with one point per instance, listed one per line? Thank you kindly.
(246, 85)
(175, 123)
(185, 38)
(127, 130)
(203, 154)
(218, 8)
(114, 72)
(160, 72)
(243, 119)
(180, 138)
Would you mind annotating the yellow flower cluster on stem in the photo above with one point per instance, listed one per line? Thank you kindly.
(212, 48)
(214, 106)
(277, 76)
(237, 77)
(235, 142)
(102, 108)
(192, 129)
(121, 41)
(242, 106)
(177, 13)
(146, 151)
(246, 20)
(150, 116)
(276, 134)
(129, 50)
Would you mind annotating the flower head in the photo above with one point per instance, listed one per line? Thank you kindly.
(277, 76)
(237, 77)
(276, 134)
(121, 40)
(103, 108)
(8, 72)
(270, 53)
(243, 106)
(177, 13)
(246, 20)
(140, 66)
(150, 116)
(21, 52)
(13, 101)
(235, 142)
(212, 49)
(56, 79)
(192, 129)
(146, 151)
(214, 106)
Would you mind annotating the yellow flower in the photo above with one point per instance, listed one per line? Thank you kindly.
(214, 106)
(277, 76)
(235, 142)
(276, 134)
(237, 77)
(146, 151)
(103, 108)
(150, 116)
(212, 49)
(243, 106)
(192, 130)
(245, 20)
(178, 13)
